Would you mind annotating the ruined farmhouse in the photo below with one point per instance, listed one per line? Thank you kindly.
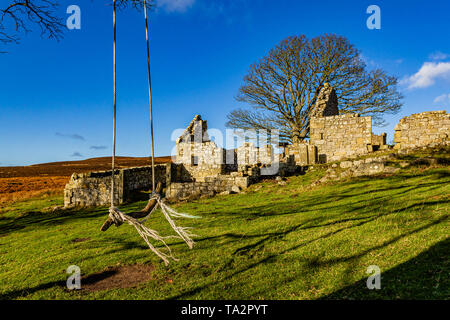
(202, 168)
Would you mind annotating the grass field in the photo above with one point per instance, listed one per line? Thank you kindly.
(274, 242)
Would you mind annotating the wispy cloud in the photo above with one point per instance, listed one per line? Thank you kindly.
(76, 154)
(70, 136)
(374, 64)
(175, 5)
(427, 75)
(443, 98)
(369, 62)
(98, 147)
(438, 55)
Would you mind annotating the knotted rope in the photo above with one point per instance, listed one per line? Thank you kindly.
(118, 217)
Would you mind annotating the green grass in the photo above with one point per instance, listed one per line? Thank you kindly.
(280, 242)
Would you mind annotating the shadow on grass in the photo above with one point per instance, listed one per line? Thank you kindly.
(314, 263)
(14, 294)
(427, 276)
(40, 219)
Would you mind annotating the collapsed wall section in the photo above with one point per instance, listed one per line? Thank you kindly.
(301, 154)
(208, 187)
(423, 129)
(94, 188)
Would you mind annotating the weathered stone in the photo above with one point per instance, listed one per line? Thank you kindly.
(423, 129)
(404, 164)
(346, 164)
(391, 170)
(94, 188)
(235, 189)
(342, 136)
(368, 169)
(327, 102)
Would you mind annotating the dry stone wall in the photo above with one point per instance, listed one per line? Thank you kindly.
(94, 188)
(208, 187)
(423, 129)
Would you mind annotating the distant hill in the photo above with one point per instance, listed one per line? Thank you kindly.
(66, 168)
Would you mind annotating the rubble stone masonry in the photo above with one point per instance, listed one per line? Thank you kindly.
(342, 136)
(423, 129)
(94, 188)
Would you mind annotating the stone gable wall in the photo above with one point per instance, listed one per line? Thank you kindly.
(423, 129)
(327, 102)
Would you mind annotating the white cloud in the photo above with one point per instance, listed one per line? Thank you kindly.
(438, 55)
(427, 75)
(443, 98)
(175, 5)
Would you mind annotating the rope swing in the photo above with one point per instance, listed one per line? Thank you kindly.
(117, 217)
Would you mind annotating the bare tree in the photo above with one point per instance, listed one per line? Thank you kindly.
(19, 16)
(22, 15)
(283, 86)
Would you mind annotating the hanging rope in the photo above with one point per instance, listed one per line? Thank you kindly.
(115, 215)
(115, 100)
(150, 94)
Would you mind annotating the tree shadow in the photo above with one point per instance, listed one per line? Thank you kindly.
(427, 276)
(45, 219)
(14, 294)
(313, 262)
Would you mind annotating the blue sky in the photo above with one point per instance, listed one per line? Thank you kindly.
(56, 97)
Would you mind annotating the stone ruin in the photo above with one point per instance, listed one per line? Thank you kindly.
(327, 102)
(94, 188)
(335, 136)
(201, 168)
(423, 129)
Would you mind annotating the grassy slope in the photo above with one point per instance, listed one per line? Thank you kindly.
(281, 242)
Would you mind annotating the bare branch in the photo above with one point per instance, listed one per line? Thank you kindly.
(282, 87)
(21, 16)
